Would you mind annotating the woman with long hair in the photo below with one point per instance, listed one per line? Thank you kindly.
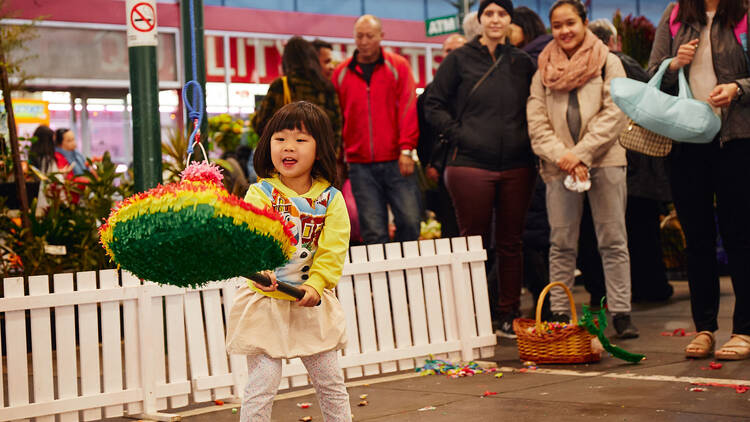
(478, 102)
(305, 81)
(528, 31)
(573, 124)
(42, 156)
(42, 151)
(715, 63)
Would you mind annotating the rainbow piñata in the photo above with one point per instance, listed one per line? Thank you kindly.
(194, 231)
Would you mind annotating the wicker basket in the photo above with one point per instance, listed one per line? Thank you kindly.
(571, 345)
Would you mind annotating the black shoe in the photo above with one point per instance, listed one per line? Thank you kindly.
(624, 327)
(559, 317)
(504, 326)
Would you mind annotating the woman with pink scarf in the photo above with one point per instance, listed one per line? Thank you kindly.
(574, 126)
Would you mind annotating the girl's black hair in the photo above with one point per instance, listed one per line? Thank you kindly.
(42, 151)
(530, 23)
(307, 117)
(301, 58)
(59, 134)
(578, 6)
(728, 12)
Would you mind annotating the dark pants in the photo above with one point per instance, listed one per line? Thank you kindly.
(476, 193)
(647, 273)
(698, 174)
(439, 201)
(536, 276)
(589, 261)
(377, 185)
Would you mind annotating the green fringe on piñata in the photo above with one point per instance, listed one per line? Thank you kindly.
(597, 329)
(148, 247)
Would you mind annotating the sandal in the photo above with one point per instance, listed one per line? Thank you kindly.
(701, 346)
(737, 348)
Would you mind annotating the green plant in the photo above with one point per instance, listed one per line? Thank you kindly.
(228, 133)
(637, 35)
(65, 237)
(174, 154)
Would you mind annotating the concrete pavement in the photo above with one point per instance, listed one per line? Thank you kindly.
(658, 389)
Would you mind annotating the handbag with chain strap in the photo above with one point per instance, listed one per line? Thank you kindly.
(638, 139)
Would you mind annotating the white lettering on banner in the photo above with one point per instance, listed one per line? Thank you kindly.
(214, 66)
(258, 60)
(241, 61)
(141, 23)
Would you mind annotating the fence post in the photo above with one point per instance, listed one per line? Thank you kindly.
(145, 332)
(464, 307)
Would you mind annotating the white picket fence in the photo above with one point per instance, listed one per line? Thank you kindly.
(126, 347)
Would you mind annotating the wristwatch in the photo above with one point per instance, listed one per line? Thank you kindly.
(739, 91)
(406, 152)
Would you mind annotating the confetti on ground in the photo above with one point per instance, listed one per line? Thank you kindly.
(437, 366)
(499, 375)
(739, 388)
(426, 408)
(362, 396)
(715, 365)
(219, 402)
(698, 389)
(306, 418)
(489, 393)
(304, 405)
(679, 332)
(234, 410)
(363, 403)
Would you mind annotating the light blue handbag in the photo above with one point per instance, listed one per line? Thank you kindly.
(681, 118)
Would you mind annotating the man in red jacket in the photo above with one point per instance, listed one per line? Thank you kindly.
(378, 103)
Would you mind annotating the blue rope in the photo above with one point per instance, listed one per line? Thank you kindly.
(194, 108)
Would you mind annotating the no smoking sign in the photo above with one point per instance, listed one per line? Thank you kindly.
(141, 20)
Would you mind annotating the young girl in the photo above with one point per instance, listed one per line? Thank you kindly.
(573, 124)
(703, 174)
(295, 162)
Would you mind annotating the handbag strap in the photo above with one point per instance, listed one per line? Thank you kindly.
(476, 85)
(287, 92)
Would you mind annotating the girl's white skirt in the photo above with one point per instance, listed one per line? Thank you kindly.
(280, 328)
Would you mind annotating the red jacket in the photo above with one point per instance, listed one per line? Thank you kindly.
(380, 119)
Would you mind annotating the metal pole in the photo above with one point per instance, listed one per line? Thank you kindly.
(144, 93)
(638, 7)
(85, 133)
(23, 199)
(200, 57)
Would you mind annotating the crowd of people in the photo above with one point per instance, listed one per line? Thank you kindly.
(507, 104)
(512, 101)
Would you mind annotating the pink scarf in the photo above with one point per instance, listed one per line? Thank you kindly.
(560, 73)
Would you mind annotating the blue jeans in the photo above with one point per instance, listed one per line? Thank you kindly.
(376, 185)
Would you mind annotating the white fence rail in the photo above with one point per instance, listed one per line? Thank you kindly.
(105, 344)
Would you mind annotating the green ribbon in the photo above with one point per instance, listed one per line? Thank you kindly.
(587, 321)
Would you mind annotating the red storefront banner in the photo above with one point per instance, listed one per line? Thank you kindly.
(258, 60)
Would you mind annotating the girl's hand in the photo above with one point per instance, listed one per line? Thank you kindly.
(723, 94)
(568, 162)
(274, 282)
(685, 55)
(581, 173)
(311, 296)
